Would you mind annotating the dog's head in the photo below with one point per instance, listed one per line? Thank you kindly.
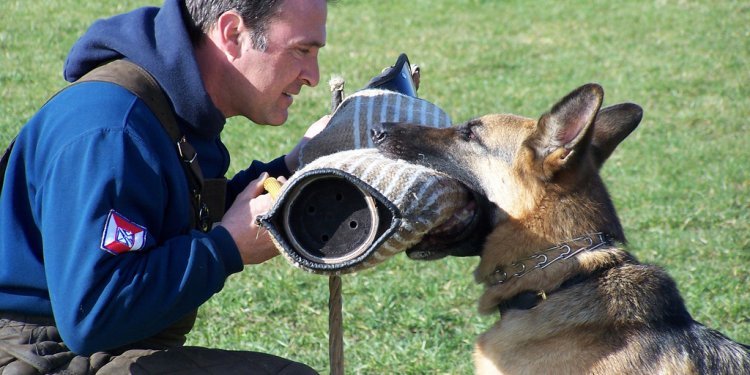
(534, 182)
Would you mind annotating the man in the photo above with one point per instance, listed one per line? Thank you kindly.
(95, 226)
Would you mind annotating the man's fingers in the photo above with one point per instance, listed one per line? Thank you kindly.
(255, 188)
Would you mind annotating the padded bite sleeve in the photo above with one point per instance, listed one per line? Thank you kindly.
(351, 210)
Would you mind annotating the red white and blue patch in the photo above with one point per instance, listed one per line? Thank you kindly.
(122, 235)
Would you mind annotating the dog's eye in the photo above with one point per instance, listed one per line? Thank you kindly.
(467, 132)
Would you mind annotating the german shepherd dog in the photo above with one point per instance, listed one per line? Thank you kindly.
(571, 299)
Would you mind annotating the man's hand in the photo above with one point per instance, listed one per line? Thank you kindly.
(292, 158)
(253, 241)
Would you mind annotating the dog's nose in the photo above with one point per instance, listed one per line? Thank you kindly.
(378, 133)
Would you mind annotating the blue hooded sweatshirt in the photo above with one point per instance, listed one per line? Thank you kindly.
(94, 212)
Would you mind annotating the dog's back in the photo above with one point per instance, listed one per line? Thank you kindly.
(652, 331)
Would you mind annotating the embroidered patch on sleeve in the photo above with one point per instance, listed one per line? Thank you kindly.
(122, 235)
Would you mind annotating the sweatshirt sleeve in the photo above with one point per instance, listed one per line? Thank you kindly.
(117, 269)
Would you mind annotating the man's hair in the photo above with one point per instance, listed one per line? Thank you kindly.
(256, 14)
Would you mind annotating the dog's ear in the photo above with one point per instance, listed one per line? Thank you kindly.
(612, 125)
(562, 135)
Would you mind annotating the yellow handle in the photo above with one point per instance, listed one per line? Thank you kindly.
(272, 186)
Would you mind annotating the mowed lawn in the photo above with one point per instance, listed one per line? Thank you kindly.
(681, 182)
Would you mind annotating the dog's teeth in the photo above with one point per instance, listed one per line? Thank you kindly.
(464, 215)
(459, 220)
(419, 254)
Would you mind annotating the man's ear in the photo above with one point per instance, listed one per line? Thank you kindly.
(562, 134)
(228, 34)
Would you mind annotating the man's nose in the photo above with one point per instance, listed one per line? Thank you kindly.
(311, 72)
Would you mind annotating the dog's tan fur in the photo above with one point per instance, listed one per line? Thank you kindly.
(542, 187)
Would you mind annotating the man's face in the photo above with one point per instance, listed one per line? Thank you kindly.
(289, 62)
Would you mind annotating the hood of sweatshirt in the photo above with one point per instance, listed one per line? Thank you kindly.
(157, 40)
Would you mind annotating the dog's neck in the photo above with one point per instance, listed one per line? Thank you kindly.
(528, 300)
(526, 282)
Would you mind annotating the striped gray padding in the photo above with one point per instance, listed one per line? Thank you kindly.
(349, 127)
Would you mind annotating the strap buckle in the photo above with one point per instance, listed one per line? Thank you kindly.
(186, 151)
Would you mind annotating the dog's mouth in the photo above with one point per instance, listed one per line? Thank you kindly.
(453, 236)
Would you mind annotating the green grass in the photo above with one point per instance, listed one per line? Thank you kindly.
(680, 182)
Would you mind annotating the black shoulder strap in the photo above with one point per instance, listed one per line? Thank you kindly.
(138, 81)
(4, 163)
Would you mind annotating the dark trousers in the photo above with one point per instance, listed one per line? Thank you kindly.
(32, 345)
